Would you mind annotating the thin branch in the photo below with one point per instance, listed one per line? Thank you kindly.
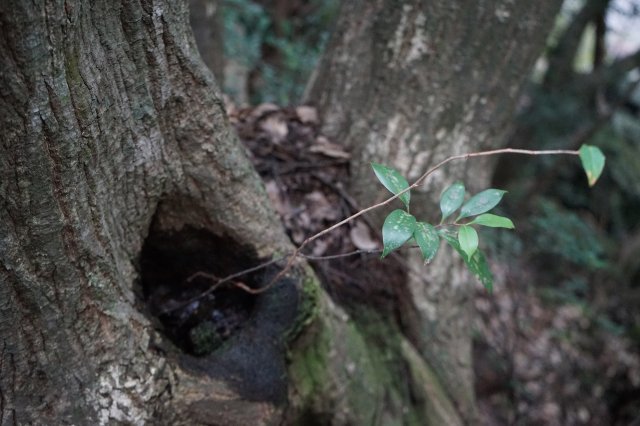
(417, 183)
(297, 252)
(338, 256)
(624, 64)
(229, 279)
(582, 135)
(219, 282)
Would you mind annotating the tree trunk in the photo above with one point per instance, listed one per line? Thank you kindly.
(563, 55)
(119, 176)
(110, 125)
(409, 86)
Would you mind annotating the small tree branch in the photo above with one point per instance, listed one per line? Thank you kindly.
(417, 183)
(297, 252)
(582, 135)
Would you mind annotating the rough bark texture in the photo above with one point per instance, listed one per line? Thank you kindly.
(109, 119)
(409, 84)
(114, 138)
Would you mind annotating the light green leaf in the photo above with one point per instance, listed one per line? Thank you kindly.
(468, 238)
(398, 227)
(480, 268)
(477, 264)
(427, 238)
(493, 221)
(481, 202)
(393, 181)
(592, 162)
(451, 199)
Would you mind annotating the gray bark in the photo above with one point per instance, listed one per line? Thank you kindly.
(113, 134)
(109, 119)
(408, 84)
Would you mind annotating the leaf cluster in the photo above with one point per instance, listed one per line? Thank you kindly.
(400, 226)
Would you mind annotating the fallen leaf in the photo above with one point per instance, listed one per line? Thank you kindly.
(321, 209)
(361, 238)
(263, 109)
(276, 197)
(307, 114)
(320, 247)
(323, 146)
(297, 236)
(276, 127)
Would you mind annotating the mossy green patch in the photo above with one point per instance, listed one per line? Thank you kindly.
(308, 306)
(309, 362)
(72, 68)
(205, 338)
(383, 341)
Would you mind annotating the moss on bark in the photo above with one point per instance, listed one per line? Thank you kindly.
(359, 370)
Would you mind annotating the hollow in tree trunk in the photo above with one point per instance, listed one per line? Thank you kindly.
(119, 178)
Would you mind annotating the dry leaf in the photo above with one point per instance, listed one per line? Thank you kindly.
(321, 209)
(307, 114)
(276, 197)
(361, 237)
(320, 247)
(323, 146)
(276, 127)
(263, 109)
(303, 219)
(297, 236)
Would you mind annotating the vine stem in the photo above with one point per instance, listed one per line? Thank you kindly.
(415, 184)
(297, 252)
(239, 284)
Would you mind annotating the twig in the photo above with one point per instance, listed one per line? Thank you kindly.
(582, 135)
(297, 252)
(418, 182)
(229, 279)
(346, 197)
(220, 281)
(338, 256)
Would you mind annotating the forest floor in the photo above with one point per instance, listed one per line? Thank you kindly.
(536, 362)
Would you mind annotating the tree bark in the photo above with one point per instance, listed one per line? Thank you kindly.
(110, 123)
(115, 145)
(408, 85)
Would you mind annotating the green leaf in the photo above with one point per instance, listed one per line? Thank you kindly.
(480, 268)
(468, 238)
(451, 199)
(477, 264)
(481, 202)
(398, 227)
(592, 162)
(493, 221)
(393, 181)
(427, 238)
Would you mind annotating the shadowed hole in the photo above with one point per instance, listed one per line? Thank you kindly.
(168, 260)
